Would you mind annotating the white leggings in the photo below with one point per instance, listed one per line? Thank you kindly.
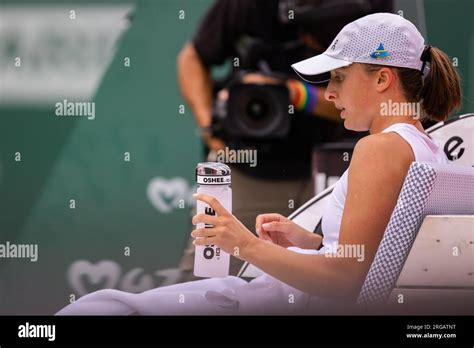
(220, 296)
(230, 295)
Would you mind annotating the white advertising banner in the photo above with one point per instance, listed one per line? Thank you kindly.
(55, 52)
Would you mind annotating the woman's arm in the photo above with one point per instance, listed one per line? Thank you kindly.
(378, 168)
(377, 171)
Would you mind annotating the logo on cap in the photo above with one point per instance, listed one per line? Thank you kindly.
(380, 53)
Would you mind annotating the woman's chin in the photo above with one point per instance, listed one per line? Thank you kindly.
(353, 127)
(347, 124)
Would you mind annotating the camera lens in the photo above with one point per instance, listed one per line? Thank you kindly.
(257, 109)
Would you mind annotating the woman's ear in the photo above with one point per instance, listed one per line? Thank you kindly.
(385, 77)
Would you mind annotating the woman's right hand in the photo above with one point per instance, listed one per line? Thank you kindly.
(282, 231)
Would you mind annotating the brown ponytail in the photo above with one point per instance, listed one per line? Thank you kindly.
(439, 92)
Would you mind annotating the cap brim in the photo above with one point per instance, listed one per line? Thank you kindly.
(316, 69)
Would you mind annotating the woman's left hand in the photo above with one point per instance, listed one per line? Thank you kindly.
(227, 232)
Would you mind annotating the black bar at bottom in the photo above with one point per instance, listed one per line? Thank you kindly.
(429, 331)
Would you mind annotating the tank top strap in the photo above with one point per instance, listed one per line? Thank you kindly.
(424, 148)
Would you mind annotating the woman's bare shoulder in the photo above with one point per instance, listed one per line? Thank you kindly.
(384, 147)
(379, 165)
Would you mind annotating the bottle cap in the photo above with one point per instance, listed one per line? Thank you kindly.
(212, 173)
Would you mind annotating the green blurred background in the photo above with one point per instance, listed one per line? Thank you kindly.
(131, 218)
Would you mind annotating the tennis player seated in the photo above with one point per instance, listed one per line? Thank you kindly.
(376, 62)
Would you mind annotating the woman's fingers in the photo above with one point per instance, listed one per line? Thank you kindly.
(213, 202)
(205, 241)
(203, 232)
(276, 226)
(206, 219)
(263, 218)
(204, 236)
(264, 235)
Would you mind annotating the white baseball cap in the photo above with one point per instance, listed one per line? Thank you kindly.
(379, 38)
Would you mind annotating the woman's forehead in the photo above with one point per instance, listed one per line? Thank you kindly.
(352, 68)
(343, 69)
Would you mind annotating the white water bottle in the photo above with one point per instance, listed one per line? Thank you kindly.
(213, 179)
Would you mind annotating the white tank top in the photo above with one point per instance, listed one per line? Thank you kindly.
(424, 148)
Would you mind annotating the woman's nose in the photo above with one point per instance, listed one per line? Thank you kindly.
(329, 94)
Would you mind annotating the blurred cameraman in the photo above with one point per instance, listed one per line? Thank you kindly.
(263, 38)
